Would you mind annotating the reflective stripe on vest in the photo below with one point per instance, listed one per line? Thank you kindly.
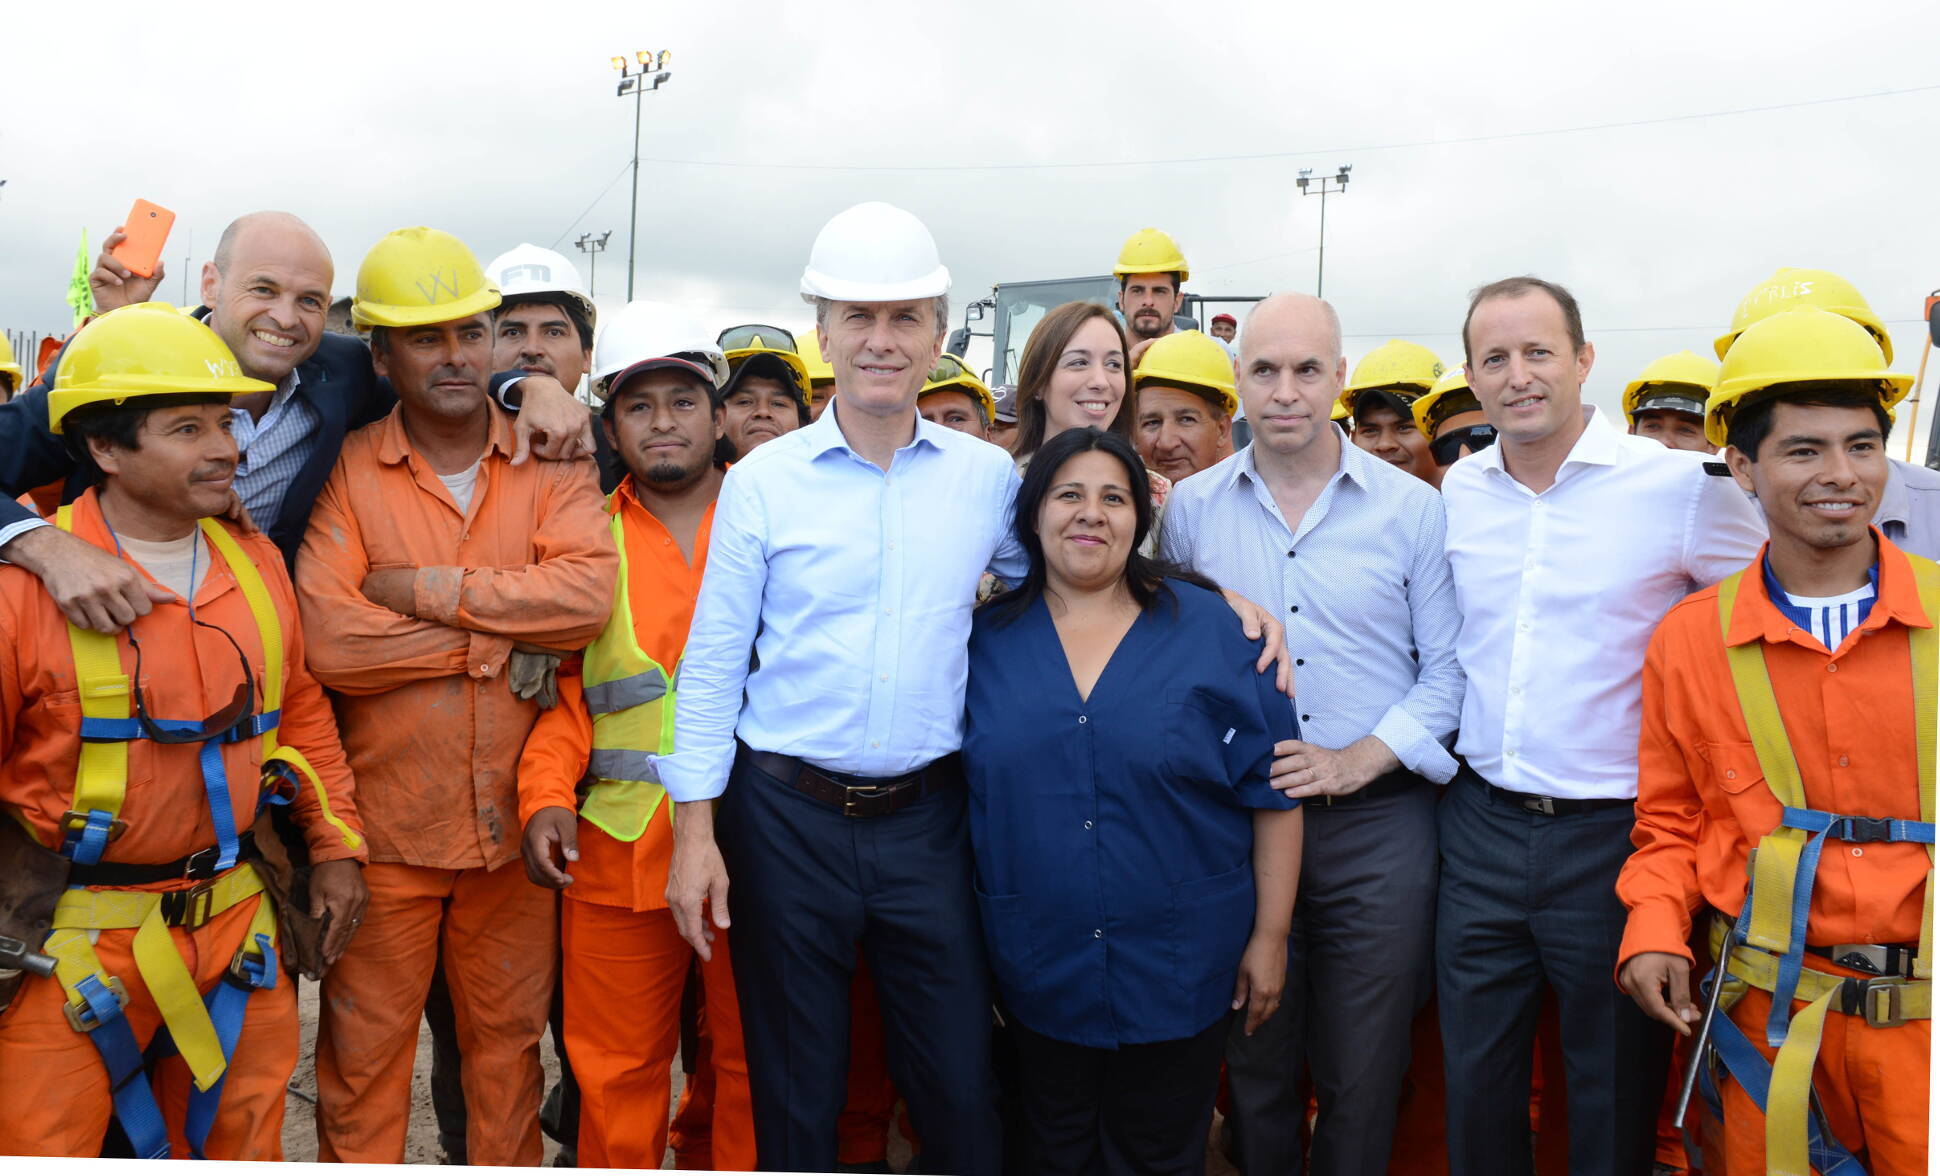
(631, 698)
(1785, 865)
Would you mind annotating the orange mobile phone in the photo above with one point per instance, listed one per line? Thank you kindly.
(146, 231)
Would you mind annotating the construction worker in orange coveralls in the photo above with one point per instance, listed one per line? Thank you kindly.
(597, 823)
(1790, 710)
(164, 928)
(439, 584)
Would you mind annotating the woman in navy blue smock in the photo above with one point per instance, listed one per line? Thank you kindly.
(1135, 870)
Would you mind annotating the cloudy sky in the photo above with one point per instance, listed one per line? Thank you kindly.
(1031, 136)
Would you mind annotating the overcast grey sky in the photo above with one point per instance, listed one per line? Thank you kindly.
(499, 123)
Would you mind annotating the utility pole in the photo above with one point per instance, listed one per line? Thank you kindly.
(635, 82)
(1340, 182)
(592, 246)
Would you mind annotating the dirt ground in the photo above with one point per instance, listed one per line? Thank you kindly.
(421, 1144)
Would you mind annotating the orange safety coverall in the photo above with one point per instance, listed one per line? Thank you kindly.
(54, 1097)
(1702, 805)
(434, 734)
(625, 962)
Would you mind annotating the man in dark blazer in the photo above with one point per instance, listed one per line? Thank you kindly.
(266, 293)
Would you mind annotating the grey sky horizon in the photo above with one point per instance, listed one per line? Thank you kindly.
(501, 125)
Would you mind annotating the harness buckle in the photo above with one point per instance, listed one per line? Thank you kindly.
(1862, 829)
(74, 821)
(1880, 1001)
(81, 1018)
(1876, 959)
(191, 908)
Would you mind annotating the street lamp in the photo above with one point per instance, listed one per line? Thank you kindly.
(592, 246)
(635, 81)
(1340, 182)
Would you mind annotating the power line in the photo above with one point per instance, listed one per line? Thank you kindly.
(582, 216)
(1263, 155)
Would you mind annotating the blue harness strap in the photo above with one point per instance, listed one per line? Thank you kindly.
(134, 1101)
(227, 1004)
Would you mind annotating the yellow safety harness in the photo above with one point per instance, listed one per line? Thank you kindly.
(203, 1031)
(1767, 942)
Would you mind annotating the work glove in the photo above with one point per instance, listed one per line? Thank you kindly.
(533, 675)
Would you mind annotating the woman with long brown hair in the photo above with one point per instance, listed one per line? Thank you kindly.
(1076, 373)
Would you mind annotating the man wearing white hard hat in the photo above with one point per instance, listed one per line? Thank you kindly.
(845, 556)
(545, 323)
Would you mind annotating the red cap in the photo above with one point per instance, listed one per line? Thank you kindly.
(1223, 317)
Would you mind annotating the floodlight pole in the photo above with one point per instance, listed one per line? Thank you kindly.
(592, 247)
(634, 81)
(1340, 182)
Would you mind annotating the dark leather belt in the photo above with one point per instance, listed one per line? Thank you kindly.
(196, 867)
(1546, 806)
(1399, 780)
(1874, 959)
(861, 796)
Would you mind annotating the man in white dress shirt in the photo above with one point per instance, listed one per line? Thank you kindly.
(1568, 541)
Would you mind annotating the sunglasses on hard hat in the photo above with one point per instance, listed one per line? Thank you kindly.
(948, 368)
(216, 725)
(756, 335)
(1448, 447)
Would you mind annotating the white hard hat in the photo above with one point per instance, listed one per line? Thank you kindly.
(874, 252)
(641, 336)
(529, 269)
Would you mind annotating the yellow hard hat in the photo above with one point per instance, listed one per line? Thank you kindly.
(1450, 395)
(1680, 383)
(418, 276)
(1790, 288)
(1803, 345)
(736, 356)
(1338, 412)
(145, 349)
(1191, 360)
(9, 367)
(951, 374)
(1396, 366)
(1150, 251)
(810, 349)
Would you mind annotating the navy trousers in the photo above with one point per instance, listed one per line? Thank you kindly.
(1528, 900)
(806, 885)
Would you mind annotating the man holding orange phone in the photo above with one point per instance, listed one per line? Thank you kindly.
(266, 292)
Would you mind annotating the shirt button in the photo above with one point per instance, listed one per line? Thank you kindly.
(1098, 933)
(1296, 608)
(1858, 852)
(1087, 824)
(1522, 626)
(1515, 690)
(1842, 761)
(1299, 661)
(889, 612)
(484, 669)
(1510, 752)
(892, 547)
(1306, 718)
(1832, 667)
(1731, 773)
(874, 743)
(1082, 719)
(1291, 554)
(885, 677)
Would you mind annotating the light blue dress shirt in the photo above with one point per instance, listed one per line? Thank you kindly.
(1362, 587)
(853, 587)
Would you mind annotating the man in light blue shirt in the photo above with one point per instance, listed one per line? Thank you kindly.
(846, 555)
(1349, 550)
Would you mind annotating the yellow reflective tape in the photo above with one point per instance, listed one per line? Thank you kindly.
(295, 759)
(1789, 1098)
(268, 625)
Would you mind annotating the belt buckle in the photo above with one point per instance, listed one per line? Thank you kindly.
(1870, 958)
(852, 793)
(1540, 804)
(201, 865)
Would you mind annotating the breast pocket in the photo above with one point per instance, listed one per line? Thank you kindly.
(1734, 772)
